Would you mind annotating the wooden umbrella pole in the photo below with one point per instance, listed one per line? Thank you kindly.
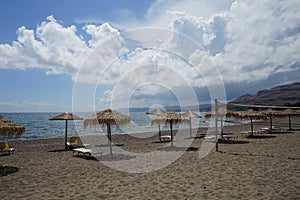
(290, 124)
(171, 132)
(159, 133)
(109, 137)
(190, 127)
(222, 126)
(107, 132)
(66, 135)
(271, 122)
(216, 124)
(251, 126)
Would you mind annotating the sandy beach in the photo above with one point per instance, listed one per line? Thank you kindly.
(252, 168)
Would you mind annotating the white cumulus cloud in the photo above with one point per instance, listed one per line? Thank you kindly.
(247, 40)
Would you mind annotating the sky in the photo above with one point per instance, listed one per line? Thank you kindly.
(89, 55)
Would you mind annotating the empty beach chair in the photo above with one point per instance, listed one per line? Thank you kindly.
(246, 132)
(200, 135)
(277, 129)
(5, 148)
(165, 138)
(229, 138)
(74, 142)
(85, 152)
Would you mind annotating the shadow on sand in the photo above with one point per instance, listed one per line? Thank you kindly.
(233, 142)
(260, 136)
(107, 145)
(60, 150)
(5, 170)
(115, 157)
(107, 157)
(165, 141)
(174, 148)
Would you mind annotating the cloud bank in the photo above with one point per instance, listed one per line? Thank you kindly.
(26, 106)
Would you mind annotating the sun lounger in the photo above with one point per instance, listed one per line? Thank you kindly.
(277, 129)
(74, 142)
(273, 130)
(200, 135)
(255, 132)
(85, 152)
(5, 148)
(165, 138)
(229, 138)
(211, 138)
(82, 151)
(245, 132)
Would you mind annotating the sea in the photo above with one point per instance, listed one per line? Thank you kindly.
(38, 125)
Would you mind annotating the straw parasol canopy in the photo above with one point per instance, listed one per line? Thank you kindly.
(270, 113)
(190, 114)
(108, 117)
(290, 113)
(251, 114)
(169, 118)
(10, 129)
(157, 111)
(227, 113)
(223, 112)
(66, 116)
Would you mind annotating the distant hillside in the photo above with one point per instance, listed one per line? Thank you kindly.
(280, 95)
(284, 95)
(171, 108)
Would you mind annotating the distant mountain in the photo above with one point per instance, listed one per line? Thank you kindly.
(284, 95)
(280, 95)
(174, 108)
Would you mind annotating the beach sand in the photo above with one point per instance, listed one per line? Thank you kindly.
(260, 168)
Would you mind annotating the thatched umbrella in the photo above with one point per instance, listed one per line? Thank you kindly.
(10, 129)
(270, 113)
(66, 116)
(222, 112)
(227, 113)
(157, 111)
(289, 113)
(251, 114)
(108, 117)
(169, 118)
(190, 114)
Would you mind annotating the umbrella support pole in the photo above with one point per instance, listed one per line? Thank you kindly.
(271, 125)
(216, 124)
(222, 125)
(251, 126)
(66, 135)
(290, 124)
(190, 127)
(159, 133)
(109, 137)
(171, 133)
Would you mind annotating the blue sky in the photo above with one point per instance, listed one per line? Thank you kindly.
(32, 89)
(16, 13)
(82, 55)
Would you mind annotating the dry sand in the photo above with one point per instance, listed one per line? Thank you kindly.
(264, 168)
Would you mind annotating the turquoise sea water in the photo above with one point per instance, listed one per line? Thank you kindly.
(38, 125)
